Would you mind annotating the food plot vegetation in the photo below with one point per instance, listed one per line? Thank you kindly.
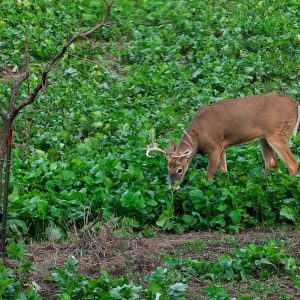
(79, 159)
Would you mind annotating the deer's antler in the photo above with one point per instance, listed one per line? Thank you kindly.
(154, 146)
(188, 152)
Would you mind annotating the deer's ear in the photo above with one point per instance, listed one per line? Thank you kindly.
(171, 147)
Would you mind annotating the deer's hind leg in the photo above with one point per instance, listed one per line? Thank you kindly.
(282, 148)
(269, 155)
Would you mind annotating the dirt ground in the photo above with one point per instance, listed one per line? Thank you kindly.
(138, 256)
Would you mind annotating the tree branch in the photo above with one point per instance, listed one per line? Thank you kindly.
(40, 86)
(18, 79)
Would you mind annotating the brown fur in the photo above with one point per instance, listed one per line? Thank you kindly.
(270, 118)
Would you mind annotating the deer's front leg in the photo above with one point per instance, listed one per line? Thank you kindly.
(213, 162)
(223, 164)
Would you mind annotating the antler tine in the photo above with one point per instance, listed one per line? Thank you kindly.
(190, 151)
(189, 136)
(186, 153)
(154, 146)
(191, 148)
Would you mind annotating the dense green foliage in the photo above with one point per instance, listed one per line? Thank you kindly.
(12, 283)
(80, 147)
(261, 261)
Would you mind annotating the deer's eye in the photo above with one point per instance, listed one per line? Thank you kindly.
(179, 170)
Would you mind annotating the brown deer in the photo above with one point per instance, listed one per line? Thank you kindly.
(269, 118)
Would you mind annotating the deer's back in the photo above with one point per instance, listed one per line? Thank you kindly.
(244, 119)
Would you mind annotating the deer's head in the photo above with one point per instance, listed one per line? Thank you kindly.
(178, 159)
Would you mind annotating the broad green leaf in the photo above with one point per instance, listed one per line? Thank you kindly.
(287, 212)
(235, 216)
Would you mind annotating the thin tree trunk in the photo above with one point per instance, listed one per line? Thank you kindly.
(3, 149)
(1, 179)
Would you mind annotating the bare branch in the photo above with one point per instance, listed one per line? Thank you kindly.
(19, 78)
(43, 83)
(6, 69)
(107, 12)
(25, 64)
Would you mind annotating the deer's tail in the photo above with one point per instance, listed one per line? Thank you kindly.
(296, 128)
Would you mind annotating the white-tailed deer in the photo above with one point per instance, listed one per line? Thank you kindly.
(269, 118)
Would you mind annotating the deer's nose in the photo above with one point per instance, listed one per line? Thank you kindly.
(174, 188)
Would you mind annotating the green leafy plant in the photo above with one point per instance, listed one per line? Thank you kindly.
(12, 283)
(75, 286)
(216, 292)
(87, 133)
(253, 260)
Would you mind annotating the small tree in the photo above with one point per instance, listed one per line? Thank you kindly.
(18, 78)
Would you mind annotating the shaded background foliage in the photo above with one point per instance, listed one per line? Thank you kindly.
(79, 148)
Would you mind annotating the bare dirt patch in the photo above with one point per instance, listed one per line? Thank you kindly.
(138, 256)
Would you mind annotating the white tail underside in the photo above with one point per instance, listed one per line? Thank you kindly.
(298, 122)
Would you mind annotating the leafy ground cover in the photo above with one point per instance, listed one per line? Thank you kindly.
(80, 147)
(79, 159)
(257, 264)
